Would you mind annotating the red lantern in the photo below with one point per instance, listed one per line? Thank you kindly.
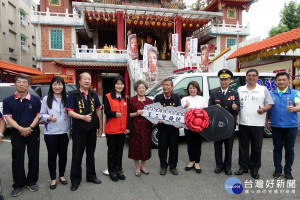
(158, 17)
(90, 18)
(147, 23)
(129, 21)
(135, 22)
(101, 14)
(166, 19)
(149, 39)
(111, 15)
(96, 13)
(106, 15)
(164, 24)
(170, 24)
(97, 19)
(184, 24)
(86, 12)
(113, 20)
(153, 23)
(141, 23)
(158, 24)
(150, 17)
(91, 13)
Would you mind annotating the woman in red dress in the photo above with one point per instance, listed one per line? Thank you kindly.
(140, 137)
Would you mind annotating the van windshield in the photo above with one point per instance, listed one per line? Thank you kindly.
(157, 89)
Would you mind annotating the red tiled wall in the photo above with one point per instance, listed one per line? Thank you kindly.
(49, 67)
(46, 52)
(238, 9)
(58, 9)
(223, 40)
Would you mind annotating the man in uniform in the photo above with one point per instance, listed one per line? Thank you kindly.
(228, 99)
(83, 106)
(21, 111)
(168, 135)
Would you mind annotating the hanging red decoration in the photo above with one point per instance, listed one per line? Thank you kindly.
(147, 23)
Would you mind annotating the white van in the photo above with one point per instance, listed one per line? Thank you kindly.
(208, 82)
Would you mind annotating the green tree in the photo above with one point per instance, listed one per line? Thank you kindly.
(290, 19)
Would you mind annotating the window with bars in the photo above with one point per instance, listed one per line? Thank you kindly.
(23, 41)
(230, 42)
(56, 38)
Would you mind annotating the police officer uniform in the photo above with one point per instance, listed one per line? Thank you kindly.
(225, 99)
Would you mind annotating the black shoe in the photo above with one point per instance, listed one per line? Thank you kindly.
(188, 168)
(74, 187)
(95, 181)
(113, 177)
(218, 170)
(255, 175)
(16, 192)
(1, 196)
(198, 171)
(174, 171)
(120, 175)
(228, 171)
(65, 182)
(240, 172)
(277, 174)
(288, 176)
(52, 187)
(163, 171)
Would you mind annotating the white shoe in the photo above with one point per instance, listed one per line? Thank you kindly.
(105, 172)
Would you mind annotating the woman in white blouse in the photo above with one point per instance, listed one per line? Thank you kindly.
(193, 139)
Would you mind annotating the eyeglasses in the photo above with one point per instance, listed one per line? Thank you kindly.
(252, 75)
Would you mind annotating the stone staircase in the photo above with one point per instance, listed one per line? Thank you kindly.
(165, 69)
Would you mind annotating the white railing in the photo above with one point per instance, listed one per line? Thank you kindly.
(180, 61)
(48, 17)
(222, 28)
(96, 54)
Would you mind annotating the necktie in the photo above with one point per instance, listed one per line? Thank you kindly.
(223, 93)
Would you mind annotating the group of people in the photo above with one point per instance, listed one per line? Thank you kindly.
(254, 104)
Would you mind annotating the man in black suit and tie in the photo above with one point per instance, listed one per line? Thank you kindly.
(228, 99)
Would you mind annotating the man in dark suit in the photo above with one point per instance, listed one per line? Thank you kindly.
(228, 99)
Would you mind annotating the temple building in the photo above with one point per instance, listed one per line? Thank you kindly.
(77, 36)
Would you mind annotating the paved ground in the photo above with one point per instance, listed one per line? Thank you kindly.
(187, 185)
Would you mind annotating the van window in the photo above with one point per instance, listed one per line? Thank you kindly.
(180, 88)
(214, 83)
(157, 89)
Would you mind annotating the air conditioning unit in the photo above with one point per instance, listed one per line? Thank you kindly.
(23, 23)
(24, 48)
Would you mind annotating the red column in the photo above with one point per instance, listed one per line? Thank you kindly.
(120, 30)
(63, 70)
(178, 31)
(95, 80)
(75, 76)
(126, 77)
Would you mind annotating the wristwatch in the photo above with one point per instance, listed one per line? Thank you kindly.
(31, 128)
(1, 135)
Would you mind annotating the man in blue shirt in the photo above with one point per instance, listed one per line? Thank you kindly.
(21, 111)
(284, 123)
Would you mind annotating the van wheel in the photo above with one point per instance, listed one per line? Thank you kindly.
(154, 140)
(267, 133)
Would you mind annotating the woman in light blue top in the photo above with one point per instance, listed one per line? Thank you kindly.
(57, 125)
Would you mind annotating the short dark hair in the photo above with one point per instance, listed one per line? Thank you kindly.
(196, 85)
(139, 82)
(167, 79)
(22, 77)
(282, 74)
(252, 70)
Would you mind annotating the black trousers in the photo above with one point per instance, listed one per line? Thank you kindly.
(57, 145)
(83, 140)
(194, 143)
(254, 135)
(168, 137)
(18, 144)
(115, 144)
(228, 143)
